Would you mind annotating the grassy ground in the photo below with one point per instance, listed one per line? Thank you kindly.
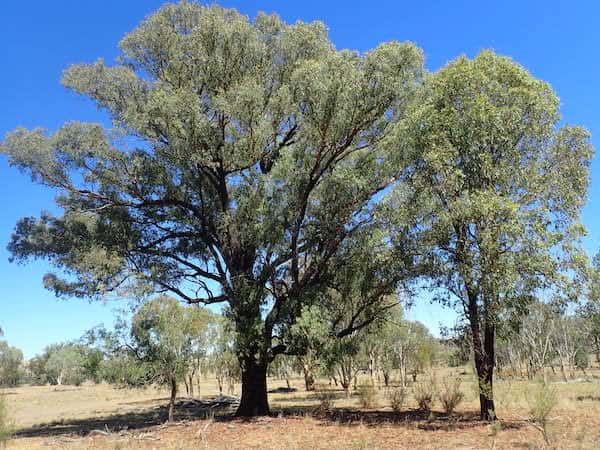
(102, 417)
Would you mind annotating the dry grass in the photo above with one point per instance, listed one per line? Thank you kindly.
(101, 417)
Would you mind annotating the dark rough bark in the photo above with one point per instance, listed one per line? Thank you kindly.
(386, 378)
(485, 374)
(254, 401)
(173, 383)
(483, 350)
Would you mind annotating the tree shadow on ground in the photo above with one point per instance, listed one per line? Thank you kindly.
(187, 410)
(308, 397)
(130, 421)
(430, 421)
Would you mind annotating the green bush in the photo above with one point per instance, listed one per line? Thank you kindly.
(542, 401)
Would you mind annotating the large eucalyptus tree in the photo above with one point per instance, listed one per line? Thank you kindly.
(242, 159)
(498, 187)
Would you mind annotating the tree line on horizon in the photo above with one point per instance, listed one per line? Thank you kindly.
(252, 164)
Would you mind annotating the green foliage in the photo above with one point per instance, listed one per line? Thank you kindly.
(495, 189)
(245, 164)
(11, 359)
(258, 158)
(590, 313)
(542, 401)
(125, 370)
(223, 358)
(65, 365)
(400, 344)
(459, 340)
(166, 334)
(582, 358)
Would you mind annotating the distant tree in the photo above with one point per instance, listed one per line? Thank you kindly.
(568, 341)
(36, 368)
(65, 365)
(165, 336)
(458, 338)
(394, 343)
(590, 311)
(310, 334)
(283, 368)
(423, 348)
(243, 158)
(343, 359)
(223, 358)
(590, 314)
(498, 189)
(594, 287)
(92, 361)
(11, 360)
(123, 369)
(535, 338)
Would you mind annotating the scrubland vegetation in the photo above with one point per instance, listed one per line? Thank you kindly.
(269, 206)
(118, 390)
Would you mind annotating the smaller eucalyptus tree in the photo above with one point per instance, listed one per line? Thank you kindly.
(11, 360)
(165, 335)
(223, 360)
(495, 188)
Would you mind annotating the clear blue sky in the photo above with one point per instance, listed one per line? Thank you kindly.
(557, 41)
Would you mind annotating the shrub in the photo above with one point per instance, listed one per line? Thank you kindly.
(367, 396)
(450, 395)
(541, 403)
(5, 424)
(397, 397)
(424, 394)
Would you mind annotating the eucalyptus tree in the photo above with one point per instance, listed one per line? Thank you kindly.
(310, 334)
(166, 336)
(243, 155)
(590, 314)
(498, 188)
(223, 361)
(11, 360)
(590, 311)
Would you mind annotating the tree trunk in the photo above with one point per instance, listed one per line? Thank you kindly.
(563, 371)
(485, 374)
(191, 385)
(254, 401)
(346, 387)
(172, 400)
(309, 379)
(483, 352)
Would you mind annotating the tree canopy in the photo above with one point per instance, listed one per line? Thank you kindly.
(250, 163)
(496, 220)
(243, 158)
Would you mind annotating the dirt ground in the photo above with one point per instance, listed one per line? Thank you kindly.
(103, 417)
